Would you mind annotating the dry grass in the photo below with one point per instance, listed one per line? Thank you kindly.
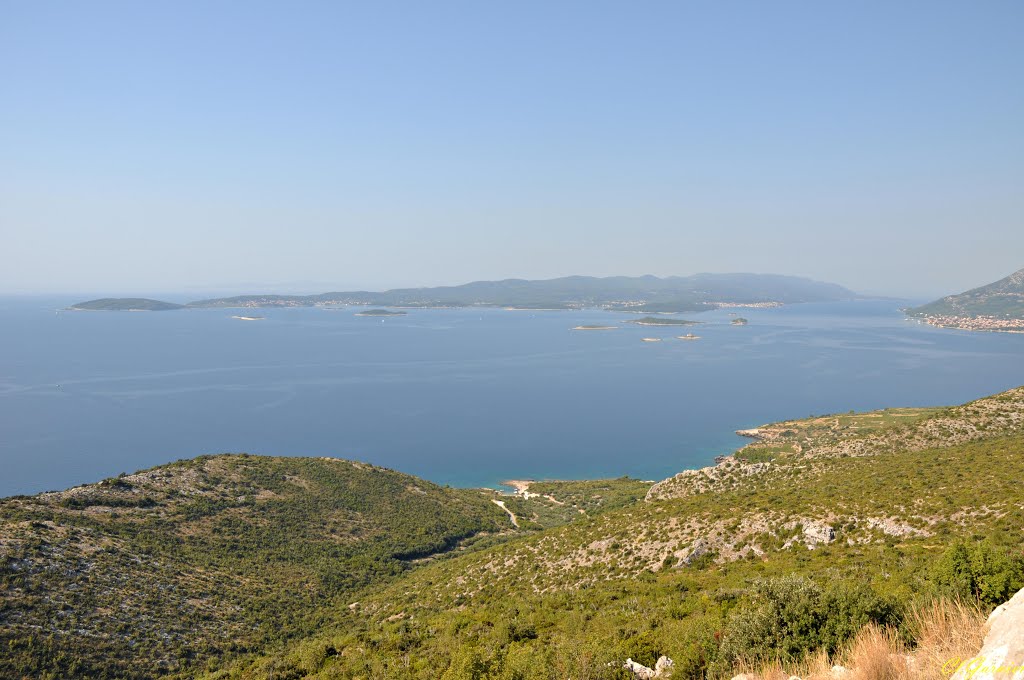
(942, 631)
(816, 665)
(877, 654)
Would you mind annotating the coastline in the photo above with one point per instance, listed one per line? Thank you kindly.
(977, 324)
(521, 486)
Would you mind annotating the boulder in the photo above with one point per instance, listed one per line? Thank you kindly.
(1002, 654)
(662, 669)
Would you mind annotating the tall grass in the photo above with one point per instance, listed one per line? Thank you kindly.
(943, 631)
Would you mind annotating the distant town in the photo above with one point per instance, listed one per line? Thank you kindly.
(976, 323)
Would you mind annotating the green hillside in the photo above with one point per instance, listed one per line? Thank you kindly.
(250, 567)
(1003, 299)
(176, 566)
(884, 513)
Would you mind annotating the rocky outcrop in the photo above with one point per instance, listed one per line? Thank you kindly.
(818, 532)
(892, 527)
(715, 477)
(813, 532)
(1002, 654)
(662, 669)
(697, 549)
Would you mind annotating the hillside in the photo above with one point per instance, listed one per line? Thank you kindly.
(125, 305)
(869, 516)
(640, 294)
(256, 567)
(175, 566)
(996, 306)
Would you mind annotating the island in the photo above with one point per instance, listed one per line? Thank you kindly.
(633, 294)
(124, 305)
(538, 308)
(380, 312)
(661, 321)
(997, 306)
(625, 294)
(590, 327)
(739, 321)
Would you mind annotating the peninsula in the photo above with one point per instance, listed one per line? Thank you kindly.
(380, 312)
(660, 321)
(998, 306)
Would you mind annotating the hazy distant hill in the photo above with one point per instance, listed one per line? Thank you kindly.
(640, 293)
(622, 293)
(1003, 299)
(125, 305)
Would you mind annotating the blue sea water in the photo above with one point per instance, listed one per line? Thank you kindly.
(464, 397)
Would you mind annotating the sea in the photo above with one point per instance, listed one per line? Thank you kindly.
(465, 397)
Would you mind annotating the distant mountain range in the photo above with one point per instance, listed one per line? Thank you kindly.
(997, 306)
(694, 293)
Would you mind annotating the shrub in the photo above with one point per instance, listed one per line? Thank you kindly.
(466, 665)
(789, 616)
(982, 571)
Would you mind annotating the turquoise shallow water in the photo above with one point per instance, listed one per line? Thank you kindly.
(465, 397)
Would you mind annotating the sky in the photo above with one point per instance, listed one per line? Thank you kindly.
(185, 147)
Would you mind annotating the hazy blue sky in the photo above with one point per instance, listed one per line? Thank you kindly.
(180, 146)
